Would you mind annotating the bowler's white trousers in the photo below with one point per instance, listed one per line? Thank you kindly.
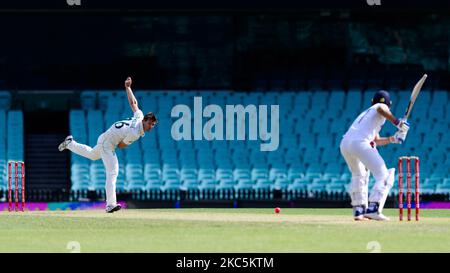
(104, 150)
(361, 158)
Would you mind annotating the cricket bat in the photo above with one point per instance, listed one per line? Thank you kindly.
(414, 95)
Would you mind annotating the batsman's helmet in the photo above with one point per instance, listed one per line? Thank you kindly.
(382, 96)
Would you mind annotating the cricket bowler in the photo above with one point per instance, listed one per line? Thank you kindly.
(121, 134)
(359, 149)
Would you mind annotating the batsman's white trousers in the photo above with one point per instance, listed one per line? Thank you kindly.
(106, 151)
(361, 157)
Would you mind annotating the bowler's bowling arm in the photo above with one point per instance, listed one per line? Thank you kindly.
(131, 98)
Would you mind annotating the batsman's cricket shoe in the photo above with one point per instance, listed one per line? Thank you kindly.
(373, 213)
(358, 213)
(64, 144)
(111, 209)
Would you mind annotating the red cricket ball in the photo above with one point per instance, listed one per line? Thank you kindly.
(277, 210)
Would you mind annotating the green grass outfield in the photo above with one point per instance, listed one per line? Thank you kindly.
(221, 230)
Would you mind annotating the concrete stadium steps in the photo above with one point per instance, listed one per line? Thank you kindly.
(46, 167)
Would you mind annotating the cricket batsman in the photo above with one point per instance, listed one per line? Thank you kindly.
(358, 147)
(121, 134)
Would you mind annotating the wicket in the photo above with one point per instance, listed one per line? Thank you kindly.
(408, 186)
(17, 165)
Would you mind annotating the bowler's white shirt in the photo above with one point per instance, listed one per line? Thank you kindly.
(127, 131)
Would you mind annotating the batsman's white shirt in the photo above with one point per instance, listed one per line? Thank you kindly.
(367, 125)
(127, 131)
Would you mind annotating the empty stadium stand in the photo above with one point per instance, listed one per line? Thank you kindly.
(307, 162)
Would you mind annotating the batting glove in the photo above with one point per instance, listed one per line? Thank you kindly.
(399, 137)
(402, 125)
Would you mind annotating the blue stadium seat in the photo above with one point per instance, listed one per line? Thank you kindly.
(171, 184)
(321, 181)
(134, 176)
(281, 183)
(334, 188)
(154, 184)
(88, 100)
(5, 100)
(244, 184)
(276, 173)
(353, 99)
(241, 174)
(443, 189)
(262, 184)
(257, 173)
(14, 137)
(94, 117)
(80, 176)
(316, 188)
(103, 98)
(77, 121)
(300, 183)
(440, 97)
(225, 184)
(207, 184)
(437, 112)
(190, 184)
(121, 181)
(427, 189)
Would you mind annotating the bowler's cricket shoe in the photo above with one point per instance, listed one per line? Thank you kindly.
(358, 213)
(111, 209)
(373, 213)
(64, 144)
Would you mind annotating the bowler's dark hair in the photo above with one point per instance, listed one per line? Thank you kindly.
(150, 116)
